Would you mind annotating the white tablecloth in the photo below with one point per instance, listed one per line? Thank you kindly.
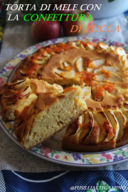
(16, 38)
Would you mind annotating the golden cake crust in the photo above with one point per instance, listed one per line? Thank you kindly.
(101, 71)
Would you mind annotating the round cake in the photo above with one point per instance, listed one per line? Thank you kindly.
(80, 85)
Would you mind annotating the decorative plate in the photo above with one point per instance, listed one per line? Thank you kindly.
(44, 151)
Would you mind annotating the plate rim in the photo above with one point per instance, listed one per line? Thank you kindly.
(43, 156)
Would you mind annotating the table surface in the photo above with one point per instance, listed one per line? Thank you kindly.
(17, 38)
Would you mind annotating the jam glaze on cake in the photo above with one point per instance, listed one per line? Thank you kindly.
(101, 71)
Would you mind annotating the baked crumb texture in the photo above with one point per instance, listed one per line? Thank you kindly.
(79, 85)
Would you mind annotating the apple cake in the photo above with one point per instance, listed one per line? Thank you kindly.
(80, 86)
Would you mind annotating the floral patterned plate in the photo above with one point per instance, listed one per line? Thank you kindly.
(94, 159)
